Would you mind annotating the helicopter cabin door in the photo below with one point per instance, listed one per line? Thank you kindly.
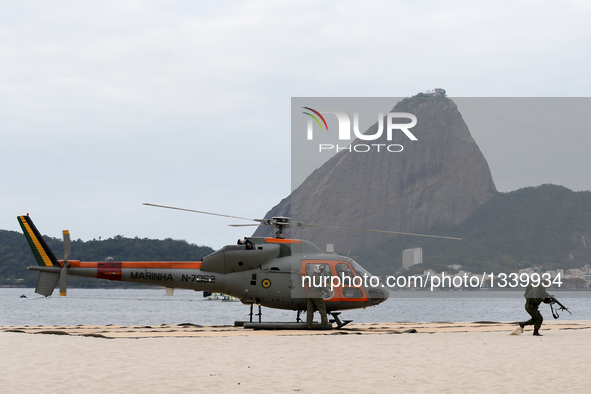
(343, 283)
(351, 287)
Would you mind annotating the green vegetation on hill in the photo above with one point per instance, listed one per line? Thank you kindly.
(546, 226)
(16, 255)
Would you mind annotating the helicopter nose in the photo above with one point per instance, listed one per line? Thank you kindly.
(379, 295)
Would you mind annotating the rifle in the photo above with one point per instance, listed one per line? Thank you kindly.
(551, 300)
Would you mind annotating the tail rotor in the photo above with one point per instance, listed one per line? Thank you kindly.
(64, 271)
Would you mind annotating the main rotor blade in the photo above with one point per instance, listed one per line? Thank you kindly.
(243, 225)
(379, 231)
(300, 224)
(206, 213)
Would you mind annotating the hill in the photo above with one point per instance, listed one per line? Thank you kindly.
(546, 226)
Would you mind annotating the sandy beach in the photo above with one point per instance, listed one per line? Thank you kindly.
(370, 358)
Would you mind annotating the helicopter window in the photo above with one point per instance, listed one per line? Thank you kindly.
(310, 269)
(352, 292)
(344, 271)
(360, 270)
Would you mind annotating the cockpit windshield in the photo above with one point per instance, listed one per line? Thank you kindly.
(359, 269)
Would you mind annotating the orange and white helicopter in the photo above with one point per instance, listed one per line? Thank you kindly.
(257, 270)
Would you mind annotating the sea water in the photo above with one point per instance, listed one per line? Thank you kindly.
(134, 307)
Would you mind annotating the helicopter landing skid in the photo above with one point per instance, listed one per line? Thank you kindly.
(340, 323)
(335, 319)
(286, 326)
(299, 324)
(240, 323)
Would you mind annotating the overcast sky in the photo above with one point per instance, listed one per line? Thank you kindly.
(106, 105)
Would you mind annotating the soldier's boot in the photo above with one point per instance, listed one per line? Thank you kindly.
(537, 333)
(522, 324)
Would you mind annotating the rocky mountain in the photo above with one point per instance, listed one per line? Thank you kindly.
(441, 178)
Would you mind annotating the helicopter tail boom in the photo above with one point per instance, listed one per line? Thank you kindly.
(187, 274)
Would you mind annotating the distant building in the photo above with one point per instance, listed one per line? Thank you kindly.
(560, 272)
(576, 273)
(439, 92)
(412, 257)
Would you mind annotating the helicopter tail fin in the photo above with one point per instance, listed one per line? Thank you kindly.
(46, 283)
(44, 256)
(41, 251)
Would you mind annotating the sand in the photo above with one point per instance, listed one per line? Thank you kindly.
(368, 358)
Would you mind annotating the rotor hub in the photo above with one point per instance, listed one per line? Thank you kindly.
(281, 223)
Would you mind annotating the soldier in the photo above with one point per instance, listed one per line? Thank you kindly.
(534, 297)
(315, 300)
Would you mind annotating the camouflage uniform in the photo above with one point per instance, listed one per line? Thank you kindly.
(534, 297)
(315, 301)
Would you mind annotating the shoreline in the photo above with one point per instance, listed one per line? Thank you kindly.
(194, 330)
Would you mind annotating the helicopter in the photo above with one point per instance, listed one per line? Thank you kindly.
(266, 271)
